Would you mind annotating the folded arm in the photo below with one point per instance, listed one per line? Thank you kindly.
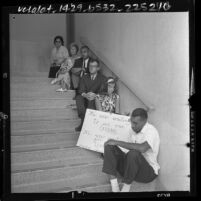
(143, 147)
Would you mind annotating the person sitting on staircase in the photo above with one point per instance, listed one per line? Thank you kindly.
(63, 75)
(80, 67)
(108, 99)
(136, 159)
(90, 84)
(58, 56)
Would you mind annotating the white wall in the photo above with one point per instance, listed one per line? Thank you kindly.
(149, 52)
(31, 40)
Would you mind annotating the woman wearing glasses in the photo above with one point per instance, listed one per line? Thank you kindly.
(58, 56)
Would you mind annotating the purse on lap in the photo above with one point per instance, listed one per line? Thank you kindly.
(53, 71)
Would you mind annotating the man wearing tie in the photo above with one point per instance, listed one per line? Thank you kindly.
(90, 84)
(80, 67)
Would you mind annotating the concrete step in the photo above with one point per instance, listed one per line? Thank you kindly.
(16, 94)
(28, 78)
(54, 163)
(28, 74)
(41, 104)
(52, 154)
(51, 174)
(39, 127)
(43, 114)
(64, 184)
(106, 187)
(43, 141)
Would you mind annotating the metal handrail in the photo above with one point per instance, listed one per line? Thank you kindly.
(84, 41)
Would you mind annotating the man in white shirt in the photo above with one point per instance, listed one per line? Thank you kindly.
(136, 159)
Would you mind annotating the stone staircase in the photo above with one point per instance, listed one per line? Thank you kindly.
(44, 156)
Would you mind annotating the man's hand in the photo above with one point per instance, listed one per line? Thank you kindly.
(110, 142)
(91, 96)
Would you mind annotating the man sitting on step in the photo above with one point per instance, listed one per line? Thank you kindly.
(89, 86)
(136, 159)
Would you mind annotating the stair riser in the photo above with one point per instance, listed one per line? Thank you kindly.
(46, 114)
(38, 142)
(47, 94)
(41, 104)
(68, 162)
(57, 145)
(54, 174)
(47, 155)
(37, 127)
(43, 139)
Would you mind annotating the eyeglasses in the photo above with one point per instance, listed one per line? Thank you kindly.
(91, 65)
(57, 41)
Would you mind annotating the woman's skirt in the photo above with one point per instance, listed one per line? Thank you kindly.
(53, 71)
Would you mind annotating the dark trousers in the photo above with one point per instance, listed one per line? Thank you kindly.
(130, 167)
(82, 104)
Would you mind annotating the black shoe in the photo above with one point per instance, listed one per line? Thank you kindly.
(79, 128)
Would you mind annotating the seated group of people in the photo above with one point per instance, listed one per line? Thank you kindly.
(95, 91)
(82, 73)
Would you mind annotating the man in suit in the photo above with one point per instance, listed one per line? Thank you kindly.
(80, 67)
(90, 84)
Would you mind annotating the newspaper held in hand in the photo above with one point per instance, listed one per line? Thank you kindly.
(98, 127)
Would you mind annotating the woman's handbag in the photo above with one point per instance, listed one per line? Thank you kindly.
(53, 71)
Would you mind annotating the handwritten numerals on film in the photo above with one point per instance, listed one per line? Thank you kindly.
(71, 8)
(96, 7)
(155, 7)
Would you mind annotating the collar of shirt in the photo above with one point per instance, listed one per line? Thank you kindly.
(145, 127)
(93, 76)
(86, 62)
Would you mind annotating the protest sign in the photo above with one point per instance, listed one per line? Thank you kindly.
(100, 126)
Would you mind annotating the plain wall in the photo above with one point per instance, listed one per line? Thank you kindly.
(149, 52)
(31, 40)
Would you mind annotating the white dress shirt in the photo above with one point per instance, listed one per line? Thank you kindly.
(85, 62)
(150, 135)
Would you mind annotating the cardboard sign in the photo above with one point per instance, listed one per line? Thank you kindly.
(100, 126)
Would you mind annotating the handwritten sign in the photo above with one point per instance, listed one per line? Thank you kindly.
(100, 126)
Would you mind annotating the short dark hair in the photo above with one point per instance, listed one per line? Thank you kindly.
(140, 112)
(60, 38)
(85, 47)
(94, 60)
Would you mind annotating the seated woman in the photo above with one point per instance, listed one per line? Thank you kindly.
(58, 56)
(74, 49)
(108, 100)
(63, 75)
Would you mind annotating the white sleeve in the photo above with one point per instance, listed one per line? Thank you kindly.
(150, 137)
(65, 52)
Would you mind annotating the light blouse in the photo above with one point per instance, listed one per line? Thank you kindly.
(58, 55)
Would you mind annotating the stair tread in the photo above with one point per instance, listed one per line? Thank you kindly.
(56, 173)
(53, 163)
(44, 126)
(42, 139)
(57, 185)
